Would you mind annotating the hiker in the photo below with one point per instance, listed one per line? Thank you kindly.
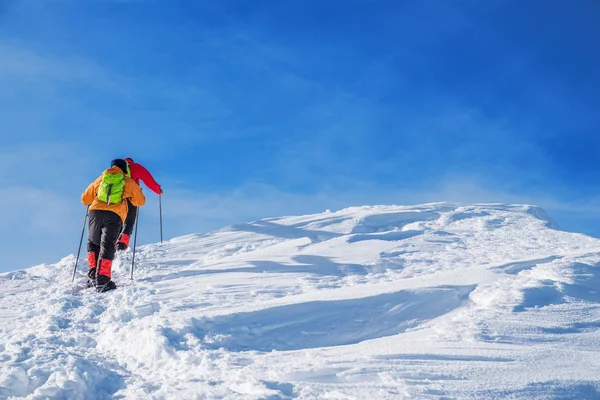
(108, 198)
(136, 172)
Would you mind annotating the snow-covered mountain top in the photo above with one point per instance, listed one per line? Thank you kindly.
(439, 300)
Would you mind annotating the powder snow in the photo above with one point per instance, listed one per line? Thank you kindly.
(435, 301)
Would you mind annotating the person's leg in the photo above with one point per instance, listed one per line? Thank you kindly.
(127, 227)
(110, 233)
(93, 244)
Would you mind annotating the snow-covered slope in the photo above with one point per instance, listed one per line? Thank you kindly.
(432, 301)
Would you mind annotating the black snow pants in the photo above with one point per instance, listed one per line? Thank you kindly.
(104, 230)
(130, 220)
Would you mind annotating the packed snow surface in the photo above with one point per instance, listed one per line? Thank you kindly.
(443, 300)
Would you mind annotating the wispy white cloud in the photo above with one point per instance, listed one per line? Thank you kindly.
(43, 163)
(40, 208)
(29, 66)
(40, 211)
(38, 225)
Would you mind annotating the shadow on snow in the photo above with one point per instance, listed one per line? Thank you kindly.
(327, 323)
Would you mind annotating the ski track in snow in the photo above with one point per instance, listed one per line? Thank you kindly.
(434, 301)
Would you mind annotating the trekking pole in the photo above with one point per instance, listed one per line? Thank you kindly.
(137, 212)
(80, 241)
(160, 213)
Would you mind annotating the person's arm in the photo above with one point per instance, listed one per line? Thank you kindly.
(134, 193)
(88, 196)
(148, 179)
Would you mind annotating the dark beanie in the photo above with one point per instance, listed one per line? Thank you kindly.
(119, 163)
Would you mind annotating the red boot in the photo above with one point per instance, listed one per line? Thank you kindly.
(105, 267)
(92, 261)
(123, 241)
(103, 282)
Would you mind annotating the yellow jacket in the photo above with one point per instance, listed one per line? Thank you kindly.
(131, 191)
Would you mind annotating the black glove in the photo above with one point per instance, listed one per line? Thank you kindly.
(121, 246)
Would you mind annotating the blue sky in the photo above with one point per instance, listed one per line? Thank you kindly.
(251, 109)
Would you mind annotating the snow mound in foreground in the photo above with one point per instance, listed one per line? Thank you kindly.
(430, 301)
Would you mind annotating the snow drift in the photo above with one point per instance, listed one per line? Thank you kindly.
(432, 301)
